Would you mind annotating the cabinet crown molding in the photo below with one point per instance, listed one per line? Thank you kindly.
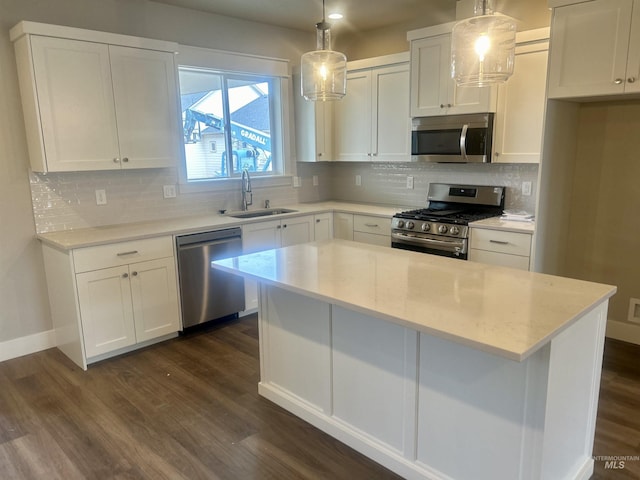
(34, 28)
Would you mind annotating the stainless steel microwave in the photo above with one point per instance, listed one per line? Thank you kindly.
(452, 138)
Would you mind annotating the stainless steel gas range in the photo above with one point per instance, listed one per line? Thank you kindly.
(442, 228)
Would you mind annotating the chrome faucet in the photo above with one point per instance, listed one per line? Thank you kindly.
(246, 189)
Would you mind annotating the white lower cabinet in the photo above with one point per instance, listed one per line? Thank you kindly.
(122, 306)
(261, 236)
(343, 225)
(503, 248)
(126, 295)
(372, 230)
(323, 226)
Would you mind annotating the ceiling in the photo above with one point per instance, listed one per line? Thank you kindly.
(359, 15)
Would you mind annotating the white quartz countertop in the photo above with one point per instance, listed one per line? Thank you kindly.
(511, 313)
(497, 223)
(85, 237)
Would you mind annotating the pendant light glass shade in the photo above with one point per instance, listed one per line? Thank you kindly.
(483, 47)
(323, 71)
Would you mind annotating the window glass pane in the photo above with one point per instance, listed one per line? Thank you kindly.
(203, 124)
(249, 107)
(207, 133)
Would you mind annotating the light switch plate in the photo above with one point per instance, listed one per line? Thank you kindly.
(316, 182)
(526, 188)
(296, 182)
(358, 180)
(169, 191)
(410, 182)
(101, 197)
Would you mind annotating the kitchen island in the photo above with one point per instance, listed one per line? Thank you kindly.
(436, 368)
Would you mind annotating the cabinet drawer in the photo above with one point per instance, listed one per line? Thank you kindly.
(501, 259)
(501, 242)
(368, 224)
(122, 253)
(372, 239)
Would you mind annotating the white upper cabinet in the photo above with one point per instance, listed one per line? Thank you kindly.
(145, 91)
(433, 91)
(92, 105)
(372, 122)
(595, 48)
(521, 102)
(314, 127)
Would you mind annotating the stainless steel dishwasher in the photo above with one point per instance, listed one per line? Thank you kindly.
(206, 293)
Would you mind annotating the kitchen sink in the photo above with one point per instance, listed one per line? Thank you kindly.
(261, 213)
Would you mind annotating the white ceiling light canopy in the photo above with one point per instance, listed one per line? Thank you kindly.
(483, 47)
(323, 71)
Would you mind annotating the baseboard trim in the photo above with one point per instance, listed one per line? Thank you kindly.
(21, 346)
(627, 332)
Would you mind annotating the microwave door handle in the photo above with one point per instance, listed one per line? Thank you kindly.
(463, 141)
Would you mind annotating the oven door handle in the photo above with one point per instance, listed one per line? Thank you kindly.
(449, 245)
(463, 141)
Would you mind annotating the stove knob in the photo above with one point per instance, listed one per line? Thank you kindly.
(442, 229)
(410, 224)
(454, 231)
(426, 227)
(400, 223)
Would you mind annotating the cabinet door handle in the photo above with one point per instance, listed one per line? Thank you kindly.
(442, 105)
(125, 159)
(499, 242)
(631, 79)
(278, 226)
(371, 225)
(317, 220)
(116, 160)
(284, 226)
(125, 275)
(131, 252)
(618, 81)
(135, 274)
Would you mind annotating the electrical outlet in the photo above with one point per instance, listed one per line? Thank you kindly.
(634, 310)
(410, 182)
(296, 182)
(316, 182)
(526, 188)
(358, 180)
(101, 197)
(169, 191)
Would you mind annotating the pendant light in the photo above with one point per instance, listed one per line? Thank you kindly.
(483, 47)
(323, 71)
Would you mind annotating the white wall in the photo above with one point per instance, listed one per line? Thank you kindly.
(24, 307)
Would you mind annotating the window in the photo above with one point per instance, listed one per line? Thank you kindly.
(235, 115)
(228, 121)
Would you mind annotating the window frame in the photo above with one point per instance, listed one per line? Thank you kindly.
(230, 64)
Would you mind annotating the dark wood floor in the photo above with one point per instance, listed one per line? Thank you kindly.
(618, 424)
(189, 408)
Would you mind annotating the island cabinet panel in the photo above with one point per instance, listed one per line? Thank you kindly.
(378, 401)
(296, 342)
(490, 410)
(427, 407)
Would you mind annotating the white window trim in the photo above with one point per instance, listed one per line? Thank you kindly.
(242, 63)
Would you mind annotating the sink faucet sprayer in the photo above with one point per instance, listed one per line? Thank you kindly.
(246, 189)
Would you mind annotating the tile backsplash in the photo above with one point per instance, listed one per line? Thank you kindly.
(65, 201)
(386, 183)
